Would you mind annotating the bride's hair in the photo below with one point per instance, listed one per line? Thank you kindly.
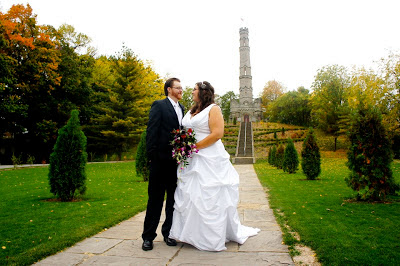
(206, 97)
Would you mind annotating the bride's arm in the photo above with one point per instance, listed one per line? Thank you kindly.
(216, 124)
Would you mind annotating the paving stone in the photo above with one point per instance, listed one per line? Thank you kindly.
(263, 226)
(122, 232)
(94, 245)
(196, 257)
(232, 246)
(270, 241)
(137, 222)
(252, 198)
(258, 215)
(253, 206)
(121, 261)
(253, 188)
(253, 184)
(138, 217)
(63, 259)
(129, 248)
(255, 215)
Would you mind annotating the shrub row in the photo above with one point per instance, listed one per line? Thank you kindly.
(262, 131)
(265, 143)
(286, 158)
(230, 139)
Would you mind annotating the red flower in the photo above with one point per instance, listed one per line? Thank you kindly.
(183, 136)
(190, 130)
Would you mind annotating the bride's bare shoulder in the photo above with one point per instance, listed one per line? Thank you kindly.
(215, 111)
(215, 108)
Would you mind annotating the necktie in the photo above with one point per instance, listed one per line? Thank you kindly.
(178, 113)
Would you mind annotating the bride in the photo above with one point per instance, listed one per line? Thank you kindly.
(207, 192)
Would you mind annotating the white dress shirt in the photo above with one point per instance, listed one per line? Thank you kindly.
(178, 110)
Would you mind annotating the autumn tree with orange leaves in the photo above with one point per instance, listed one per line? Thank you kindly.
(47, 72)
(33, 99)
(30, 63)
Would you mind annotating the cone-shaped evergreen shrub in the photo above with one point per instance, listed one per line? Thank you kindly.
(142, 166)
(311, 157)
(280, 152)
(67, 162)
(369, 157)
(270, 155)
(273, 156)
(290, 158)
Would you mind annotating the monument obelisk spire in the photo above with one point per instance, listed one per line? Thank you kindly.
(245, 79)
(245, 109)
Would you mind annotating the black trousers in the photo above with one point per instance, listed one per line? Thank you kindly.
(162, 180)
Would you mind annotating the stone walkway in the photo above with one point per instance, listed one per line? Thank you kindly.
(121, 244)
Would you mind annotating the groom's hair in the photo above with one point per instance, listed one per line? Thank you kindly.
(168, 84)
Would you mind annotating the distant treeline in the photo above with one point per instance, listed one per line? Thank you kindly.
(336, 95)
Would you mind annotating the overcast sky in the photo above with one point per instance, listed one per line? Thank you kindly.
(199, 40)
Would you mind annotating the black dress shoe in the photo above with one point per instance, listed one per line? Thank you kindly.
(147, 245)
(170, 241)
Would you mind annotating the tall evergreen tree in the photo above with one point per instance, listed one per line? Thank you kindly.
(311, 157)
(67, 174)
(102, 81)
(123, 117)
(290, 158)
(142, 165)
(273, 156)
(369, 157)
(279, 156)
(270, 155)
(396, 147)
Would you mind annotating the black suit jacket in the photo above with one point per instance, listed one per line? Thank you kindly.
(162, 121)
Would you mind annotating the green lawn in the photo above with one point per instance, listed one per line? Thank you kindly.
(340, 231)
(32, 227)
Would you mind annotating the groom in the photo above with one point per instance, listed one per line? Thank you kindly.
(165, 116)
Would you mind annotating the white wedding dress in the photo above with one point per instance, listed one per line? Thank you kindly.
(207, 195)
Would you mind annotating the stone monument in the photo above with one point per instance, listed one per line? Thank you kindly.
(245, 109)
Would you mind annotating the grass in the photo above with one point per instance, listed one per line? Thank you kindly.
(340, 231)
(33, 225)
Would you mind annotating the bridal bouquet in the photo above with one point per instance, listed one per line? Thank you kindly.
(183, 146)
